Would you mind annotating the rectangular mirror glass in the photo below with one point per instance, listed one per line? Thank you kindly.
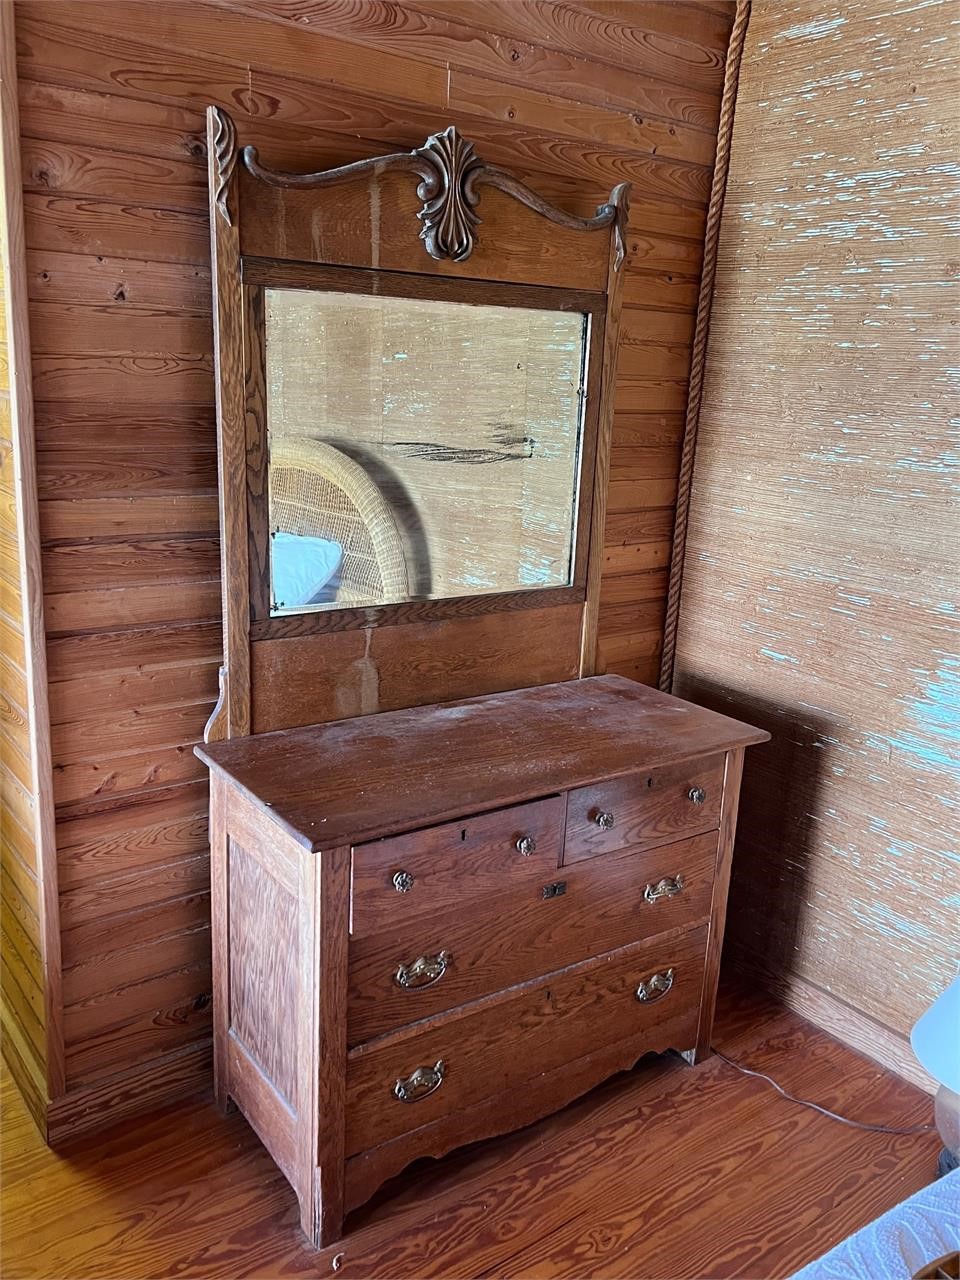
(419, 449)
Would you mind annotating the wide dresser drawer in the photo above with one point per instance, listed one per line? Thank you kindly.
(432, 964)
(649, 992)
(454, 865)
(644, 809)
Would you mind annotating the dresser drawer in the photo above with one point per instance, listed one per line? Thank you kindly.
(440, 962)
(457, 865)
(644, 809)
(495, 1049)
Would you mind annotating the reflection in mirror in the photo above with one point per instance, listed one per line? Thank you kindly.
(419, 449)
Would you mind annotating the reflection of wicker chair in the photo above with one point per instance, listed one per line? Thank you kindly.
(318, 491)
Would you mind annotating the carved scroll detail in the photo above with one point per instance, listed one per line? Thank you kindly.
(449, 195)
(217, 728)
(450, 174)
(620, 203)
(225, 155)
(614, 210)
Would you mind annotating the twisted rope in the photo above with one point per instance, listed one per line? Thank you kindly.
(718, 188)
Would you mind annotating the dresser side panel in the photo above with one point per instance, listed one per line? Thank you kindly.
(733, 775)
(264, 960)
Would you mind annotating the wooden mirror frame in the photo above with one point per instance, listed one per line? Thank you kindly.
(269, 229)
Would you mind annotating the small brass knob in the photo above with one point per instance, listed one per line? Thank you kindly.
(402, 881)
(697, 795)
(604, 820)
(526, 845)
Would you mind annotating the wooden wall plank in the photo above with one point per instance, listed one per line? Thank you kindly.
(133, 650)
(105, 427)
(153, 1038)
(130, 772)
(101, 1026)
(478, 96)
(819, 591)
(90, 171)
(90, 986)
(107, 843)
(61, 328)
(80, 278)
(109, 517)
(101, 936)
(132, 606)
(709, 23)
(102, 736)
(643, 43)
(17, 854)
(125, 894)
(110, 565)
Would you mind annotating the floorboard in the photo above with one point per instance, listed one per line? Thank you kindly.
(668, 1171)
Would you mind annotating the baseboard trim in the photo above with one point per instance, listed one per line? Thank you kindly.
(856, 1029)
(128, 1093)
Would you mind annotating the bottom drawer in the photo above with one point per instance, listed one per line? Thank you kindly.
(401, 1082)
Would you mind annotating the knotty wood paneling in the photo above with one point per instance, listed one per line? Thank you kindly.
(112, 98)
(820, 589)
(29, 941)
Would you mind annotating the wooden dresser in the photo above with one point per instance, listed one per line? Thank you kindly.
(438, 924)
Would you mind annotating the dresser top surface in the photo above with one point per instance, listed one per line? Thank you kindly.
(352, 780)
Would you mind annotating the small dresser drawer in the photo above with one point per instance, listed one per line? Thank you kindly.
(401, 1082)
(584, 910)
(457, 865)
(644, 809)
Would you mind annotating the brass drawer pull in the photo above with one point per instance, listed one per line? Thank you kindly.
(655, 988)
(668, 887)
(402, 881)
(422, 972)
(697, 795)
(526, 845)
(604, 820)
(423, 1082)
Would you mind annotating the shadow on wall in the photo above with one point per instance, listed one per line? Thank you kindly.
(776, 838)
(405, 513)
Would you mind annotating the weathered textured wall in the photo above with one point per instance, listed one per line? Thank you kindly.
(820, 591)
(575, 97)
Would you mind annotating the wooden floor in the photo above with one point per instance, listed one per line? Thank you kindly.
(667, 1171)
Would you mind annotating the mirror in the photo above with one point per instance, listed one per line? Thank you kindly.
(419, 449)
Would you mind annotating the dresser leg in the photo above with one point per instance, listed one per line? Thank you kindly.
(321, 1229)
(310, 1217)
(219, 885)
(225, 1103)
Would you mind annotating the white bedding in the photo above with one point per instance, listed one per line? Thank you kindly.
(301, 567)
(896, 1246)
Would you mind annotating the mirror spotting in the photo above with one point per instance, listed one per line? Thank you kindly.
(419, 449)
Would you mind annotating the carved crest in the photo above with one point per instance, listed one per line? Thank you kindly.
(225, 157)
(448, 195)
(450, 173)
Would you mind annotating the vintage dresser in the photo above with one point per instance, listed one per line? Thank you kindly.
(458, 877)
(438, 924)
